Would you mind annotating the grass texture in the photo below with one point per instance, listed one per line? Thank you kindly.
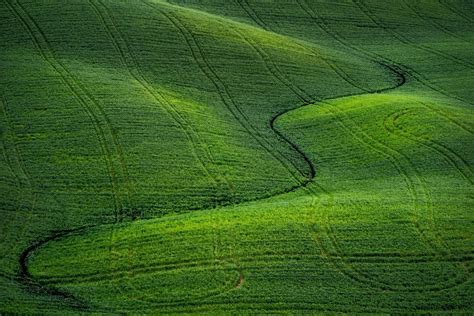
(236, 156)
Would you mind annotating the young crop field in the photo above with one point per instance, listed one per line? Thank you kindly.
(236, 156)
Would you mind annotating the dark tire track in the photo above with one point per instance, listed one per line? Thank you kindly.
(36, 287)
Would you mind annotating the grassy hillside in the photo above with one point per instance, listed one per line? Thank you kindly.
(236, 156)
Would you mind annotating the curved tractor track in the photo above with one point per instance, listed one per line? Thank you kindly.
(26, 278)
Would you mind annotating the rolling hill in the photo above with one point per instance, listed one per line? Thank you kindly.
(226, 157)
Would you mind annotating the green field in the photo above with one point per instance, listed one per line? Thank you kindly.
(236, 156)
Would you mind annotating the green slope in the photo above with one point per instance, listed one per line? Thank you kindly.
(156, 156)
